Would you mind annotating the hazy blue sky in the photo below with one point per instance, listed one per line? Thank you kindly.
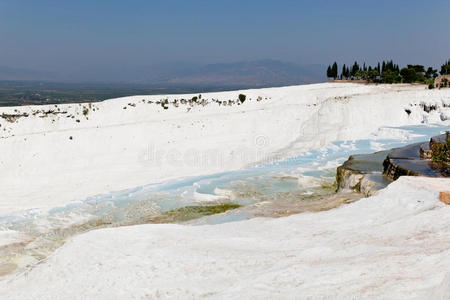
(86, 34)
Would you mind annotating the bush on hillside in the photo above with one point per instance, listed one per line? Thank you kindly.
(409, 74)
(440, 152)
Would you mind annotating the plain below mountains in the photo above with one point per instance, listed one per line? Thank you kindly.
(261, 73)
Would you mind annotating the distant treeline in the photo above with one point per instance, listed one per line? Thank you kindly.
(388, 72)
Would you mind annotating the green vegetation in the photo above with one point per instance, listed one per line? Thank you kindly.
(165, 103)
(242, 98)
(408, 74)
(193, 212)
(444, 82)
(445, 68)
(440, 152)
(85, 111)
(332, 71)
(389, 72)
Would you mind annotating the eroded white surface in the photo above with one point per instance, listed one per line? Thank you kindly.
(395, 245)
(113, 148)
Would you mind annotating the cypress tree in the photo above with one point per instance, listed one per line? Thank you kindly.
(334, 70)
(445, 68)
(329, 72)
(355, 69)
(390, 66)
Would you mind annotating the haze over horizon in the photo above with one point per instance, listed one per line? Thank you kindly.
(132, 41)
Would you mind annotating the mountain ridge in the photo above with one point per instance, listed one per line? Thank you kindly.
(257, 73)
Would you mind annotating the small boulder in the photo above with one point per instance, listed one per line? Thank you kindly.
(445, 197)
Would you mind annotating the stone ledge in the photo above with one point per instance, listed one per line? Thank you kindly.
(362, 173)
(412, 160)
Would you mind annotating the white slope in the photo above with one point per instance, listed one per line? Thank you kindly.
(395, 245)
(49, 159)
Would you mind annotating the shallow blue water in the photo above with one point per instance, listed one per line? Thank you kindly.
(264, 178)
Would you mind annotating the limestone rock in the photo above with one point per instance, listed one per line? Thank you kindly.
(445, 197)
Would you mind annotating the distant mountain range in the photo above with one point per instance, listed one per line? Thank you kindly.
(254, 73)
(261, 73)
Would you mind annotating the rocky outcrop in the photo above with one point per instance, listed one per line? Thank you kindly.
(362, 173)
(414, 160)
(348, 179)
(368, 173)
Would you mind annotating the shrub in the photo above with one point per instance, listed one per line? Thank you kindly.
(165, 103)
(242, 98)
(388, 76)
(85, 111)
(409, 75)
(440, 152)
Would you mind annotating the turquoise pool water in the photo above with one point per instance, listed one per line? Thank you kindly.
(275, 185)
(266, 179)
